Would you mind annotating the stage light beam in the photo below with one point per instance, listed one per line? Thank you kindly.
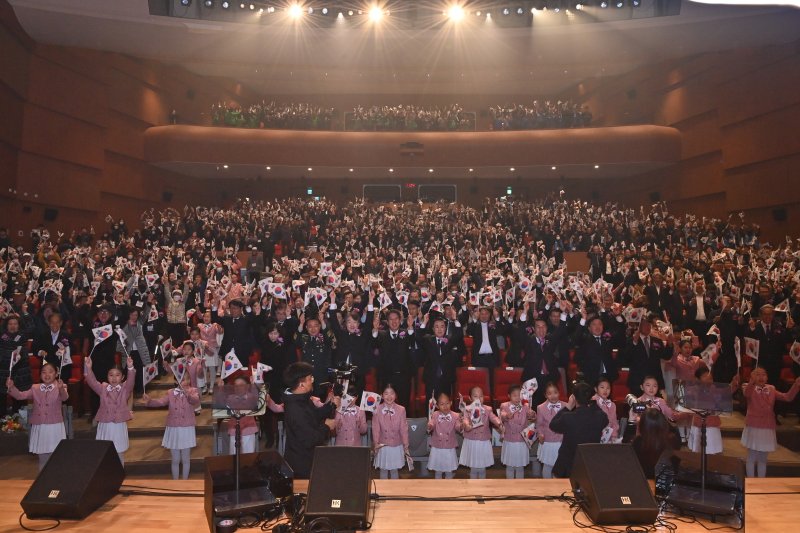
(295, 11)
(375, 14)
(455, 13)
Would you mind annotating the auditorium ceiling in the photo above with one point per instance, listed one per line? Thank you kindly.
(477, 59)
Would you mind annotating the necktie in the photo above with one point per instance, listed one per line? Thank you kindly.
(177, 392)
(394, 336)
(349, 411)
(647, 345)
(766, 328)
(554, 406)
(597, 338)
(515, 408)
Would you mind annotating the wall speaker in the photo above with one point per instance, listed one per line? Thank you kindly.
(779, 214)
(80, 476)
(166, 196)
(611, 486)
(655, 196)
(50, 214)
(342, 499)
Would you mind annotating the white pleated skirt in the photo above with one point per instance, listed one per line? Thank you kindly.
(116, 432)
(515, 454)
(476, 453)
(179, 438)
(45, 437)
(390, 458)
(212, 360)
(548, 453)
(713, 440)
(443, 460)
(759, 439)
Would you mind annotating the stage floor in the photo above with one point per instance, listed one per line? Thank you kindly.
(771, 506)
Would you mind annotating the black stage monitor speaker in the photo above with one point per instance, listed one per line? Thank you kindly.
(338, 488)
(264, 478)
(610, 483)
(79, 477)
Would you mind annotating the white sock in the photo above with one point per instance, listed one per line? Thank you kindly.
(175, 465)
(186, 454)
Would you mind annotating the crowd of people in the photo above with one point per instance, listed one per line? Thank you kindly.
(393, 288)
(273, 116)
(541, 115)
(303, 116)
(410, 118)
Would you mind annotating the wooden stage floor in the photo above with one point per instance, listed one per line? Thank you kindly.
(771, 506)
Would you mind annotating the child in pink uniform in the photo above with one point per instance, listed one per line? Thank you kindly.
(476, 449)
(390, 435)
(47, 422)
(208, 334)
(650, 395)
(713, 422)
(549, 441)
(200, 351)
(759, 425)
(603, 398)
(442, 426)
(351, 423)
(194, 366)
(113, 414)
(515, 416)
(179, 436)
(685, 365)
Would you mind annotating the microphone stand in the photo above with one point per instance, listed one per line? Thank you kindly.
(703, 443)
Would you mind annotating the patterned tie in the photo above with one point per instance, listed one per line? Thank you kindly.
(554, 406)
(349, 411)
(177, 392)
(515, 408)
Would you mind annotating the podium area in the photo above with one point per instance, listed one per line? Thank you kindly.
(770, 505)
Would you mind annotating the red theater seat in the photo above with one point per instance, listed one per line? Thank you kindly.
(419, 401)
(470, 376)
(36, 368)
(504, 377)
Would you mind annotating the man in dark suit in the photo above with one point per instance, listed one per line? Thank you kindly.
(658, 295)
(395, 365)
(441, 358)
(593, 355)
(581, 422)
(238, 332)
(773, 337)
(643, 354)
(539, 360)
(51, 343)
(484, 329)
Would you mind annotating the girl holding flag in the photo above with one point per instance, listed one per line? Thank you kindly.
(103, 353)
(47, 421)
(476, 450)
(112, 418)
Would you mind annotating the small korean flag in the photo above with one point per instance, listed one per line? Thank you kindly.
(370, 401)
(231, 364)
(529, 434)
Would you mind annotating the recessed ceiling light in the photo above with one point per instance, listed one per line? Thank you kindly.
(310, 169)
(597, 166)
(351, 170)
(553, 168)
(391, 170)
(430, 170)
(269, 168)
(471, 170)
(224, 166)
(512, 169)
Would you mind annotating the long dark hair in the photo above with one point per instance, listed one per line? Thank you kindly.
(655, 437)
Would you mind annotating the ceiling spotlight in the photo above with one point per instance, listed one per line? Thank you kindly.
(579, 6)
(310, 10)
(506, 11)
(310, 169)
(186, 2)
(351, 170)
(224, 166)
(209, 3)
(350, 13)
(295, 11)
(324, 10)
(512, 169)
(636, 3)
(375, 14)
(520, 11)
(471, 169)
(269, 168)
(604, 4)
(242, 6)
(391, 170)
(340, 15)
(597, 166)
(430, 170)
(226, 4)
(552, 168)
(620, 3)
(477, 13)
(455, 13)
(271, 9)
(252, 7)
